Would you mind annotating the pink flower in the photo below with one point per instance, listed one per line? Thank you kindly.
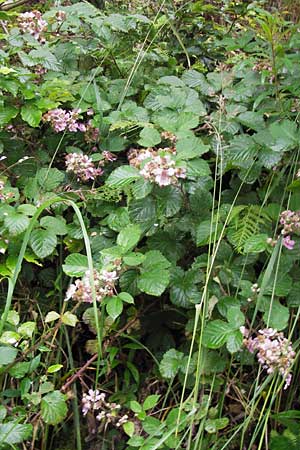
(288, 242)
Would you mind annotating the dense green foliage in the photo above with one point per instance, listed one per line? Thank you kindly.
(149, 189)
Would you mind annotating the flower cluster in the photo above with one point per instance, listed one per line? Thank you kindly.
(168, 136)
(4, 195)
(62, 120)
(94, 402)
(157, 166)
(81, 290)
(32, 23)
(290, 221)
(82, 166)
(91, 132)
(274, 352)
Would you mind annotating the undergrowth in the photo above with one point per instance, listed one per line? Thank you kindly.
(150, 223)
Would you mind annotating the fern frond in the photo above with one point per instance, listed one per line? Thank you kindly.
(245, 222)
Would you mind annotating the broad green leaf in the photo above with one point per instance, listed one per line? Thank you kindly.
(153, 282)
(198, 168)
(170, 363)
(150, 402)
(143, 211)
(16, 223)
(49, 179)
(12, 433)
(149, 137)
(9, 337)
(55, 224)
(129, 237)
(235, 316)
(234, 341)
(54, 368)
(13, 317)
(184, 291)
(114, 307)
(135, 406)
(141, 188)
(69, 319)
(122, 176)
(75, 265)
(43, 242)
(53, 408)
(31, 114)
(128, 428)
(52, 316)
(7, 354)
(252, 119)
(7, 113)
(125, 297)
(256, 243)
(190, 147)
(134, 259)
(169, 201)
(27, 329)
(277, 315)
(216, 333)
(213, 425)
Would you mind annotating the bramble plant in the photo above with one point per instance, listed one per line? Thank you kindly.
(149, 214)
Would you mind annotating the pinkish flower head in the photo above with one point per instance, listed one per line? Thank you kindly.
(288, 242)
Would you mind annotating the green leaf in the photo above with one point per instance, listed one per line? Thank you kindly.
(13, 318)
(193, 79)
(69, 319)
(54, 368)
(122, 176)
(213, 425)
(235, 316)
(75, 265)
(114, 307)
(7, 355)
(54, 408)
(141, 188)
(49, 179)
(12, 433)
(16, 223)
(169, 201)
(154, 277)
(31, 114)
(190, 147)
(170, 363)
(7, 113)
(129, 237)
(150, 402)
(43, 242)
(143, 211)
(198, 168)
(55, 224)
(135, 406)
(125, 297)
(128, 428)
(234, 341)
(216, 333)
(256, 243)
(183, 291)
(149, 137)
(285, 134)
(252, 119)
(27, 329)
(277, 315)
(51, 316)
(153, 282)
(133, 259)
(206, 232)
